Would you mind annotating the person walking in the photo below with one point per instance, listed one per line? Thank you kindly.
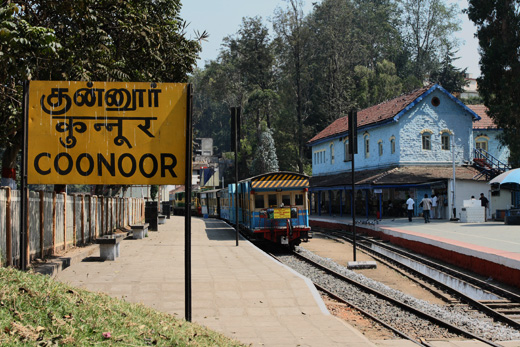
(426, 204)
(409, 207)
(484, 202)
(434, 206)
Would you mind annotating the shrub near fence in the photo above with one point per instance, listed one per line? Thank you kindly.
(59, 221)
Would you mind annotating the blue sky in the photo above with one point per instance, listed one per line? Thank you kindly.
(221, 18)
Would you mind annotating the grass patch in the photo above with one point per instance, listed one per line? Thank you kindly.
(38, 311)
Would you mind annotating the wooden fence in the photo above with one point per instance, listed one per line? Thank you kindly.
(57, 221)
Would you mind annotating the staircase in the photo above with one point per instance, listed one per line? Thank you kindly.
(488, 166)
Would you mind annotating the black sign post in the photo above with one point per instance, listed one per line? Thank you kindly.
(235, 138)
(352, 148)
(187, 209)
(24, 199)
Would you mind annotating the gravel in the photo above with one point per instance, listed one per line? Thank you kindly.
(470, 321)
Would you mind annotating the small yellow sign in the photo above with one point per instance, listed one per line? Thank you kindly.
(107, 132)
(282, 213)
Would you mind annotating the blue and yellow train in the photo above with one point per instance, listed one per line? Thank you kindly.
(272, 206)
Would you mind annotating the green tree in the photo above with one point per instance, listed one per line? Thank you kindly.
(376, 86)
(293, 52)
(23, 49)
(90, 40)
(498, 32)
(448, 76)
(265, 159)
(427, 28)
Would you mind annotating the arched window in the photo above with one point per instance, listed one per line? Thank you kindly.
(481, 142)
(332, 153)
(392, 144)
(427, 140)
(380, 147)
(366, 140)
(347, 156)
(445, 141)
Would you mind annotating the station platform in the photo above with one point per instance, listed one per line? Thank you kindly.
(491, 249)
(237, 291)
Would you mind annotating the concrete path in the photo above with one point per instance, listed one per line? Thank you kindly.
(238, 291)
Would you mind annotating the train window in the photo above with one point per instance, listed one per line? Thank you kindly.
(259, 201)
(286, 200)
(272, 200)
(298, 199)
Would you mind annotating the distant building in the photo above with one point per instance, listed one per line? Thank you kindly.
(471, 89)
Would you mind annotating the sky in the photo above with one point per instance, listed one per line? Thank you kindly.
(224, 17)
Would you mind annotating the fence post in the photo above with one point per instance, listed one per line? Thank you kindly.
(102, 215)
(8, 229)
(42, 221)
(64, 221)
(96, 218)
(27, 229)
(53, 223)
(82, 219)
(90, 218)
(74, 219)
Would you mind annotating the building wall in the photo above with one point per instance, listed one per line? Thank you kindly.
(448, 116)
(494, 147)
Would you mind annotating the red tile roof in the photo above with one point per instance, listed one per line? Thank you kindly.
(485, 122)
(373, 114)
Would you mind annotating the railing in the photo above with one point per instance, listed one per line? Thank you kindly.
(488, 165)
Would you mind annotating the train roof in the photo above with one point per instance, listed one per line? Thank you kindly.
(280, 180)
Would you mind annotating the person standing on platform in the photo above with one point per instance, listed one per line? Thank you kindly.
(409, 209)
(485, 203)
(434, 206)
(426, 204)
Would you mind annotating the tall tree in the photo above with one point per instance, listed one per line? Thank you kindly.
(427, 28)
(24, 48)
(96, 41)
(292, 49)
(498, 32)
(448, 76)
(265, 159)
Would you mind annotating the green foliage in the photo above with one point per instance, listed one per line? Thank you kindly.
(265, 159)
(498, 32)
(38, 311)
(427, 30)
(154, 189)
(376, 86)
(345, 54)
(87, 40)
(448, 76)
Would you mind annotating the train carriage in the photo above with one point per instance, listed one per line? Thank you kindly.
(273, 206)
(210, 202)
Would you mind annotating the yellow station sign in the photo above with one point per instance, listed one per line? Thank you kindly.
(107, 132)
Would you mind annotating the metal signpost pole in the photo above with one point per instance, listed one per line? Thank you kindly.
(236, 120)
(187, 210)
(352, 134)
(24, 191)
(454, 208)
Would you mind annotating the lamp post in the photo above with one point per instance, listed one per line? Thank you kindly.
(453, 208)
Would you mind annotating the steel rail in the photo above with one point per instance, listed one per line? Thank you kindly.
(398, 303)
(369, 315)
(461, 276)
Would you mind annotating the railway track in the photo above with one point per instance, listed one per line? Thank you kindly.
(403, 319)
(498, 303)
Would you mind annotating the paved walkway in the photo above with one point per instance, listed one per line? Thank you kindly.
(237, 291)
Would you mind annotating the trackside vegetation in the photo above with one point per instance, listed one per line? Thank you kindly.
(38, 311)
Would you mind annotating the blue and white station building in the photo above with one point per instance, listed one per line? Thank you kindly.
(423, 142)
